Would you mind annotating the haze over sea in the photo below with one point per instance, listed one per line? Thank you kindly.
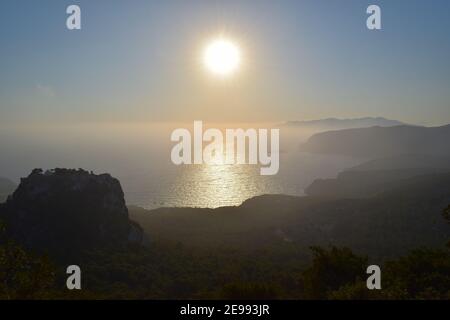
(139, 156)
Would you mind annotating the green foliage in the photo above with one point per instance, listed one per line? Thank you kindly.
(330, 270)
(168, 271)
(422, 274)
(165, 270)
(23, 275)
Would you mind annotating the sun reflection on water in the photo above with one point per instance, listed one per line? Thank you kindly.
(217, 185)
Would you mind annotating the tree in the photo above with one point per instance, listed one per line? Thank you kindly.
(422, 274)
(23, 275)
(330, 270)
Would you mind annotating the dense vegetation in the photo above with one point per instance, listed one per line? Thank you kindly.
(259, 250)
(174, 272)
(166, 270)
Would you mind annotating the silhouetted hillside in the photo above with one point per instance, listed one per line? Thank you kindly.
(364, 184)
(391, 223)
(378, 142)
(407, 161)
(68, 210)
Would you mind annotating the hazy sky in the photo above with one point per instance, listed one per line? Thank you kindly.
(140, 61)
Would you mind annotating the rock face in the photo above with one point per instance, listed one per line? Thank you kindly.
(62, 209)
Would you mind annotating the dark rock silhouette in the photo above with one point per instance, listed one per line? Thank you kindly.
(68, 210)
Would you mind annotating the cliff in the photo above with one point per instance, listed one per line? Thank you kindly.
(65, 210)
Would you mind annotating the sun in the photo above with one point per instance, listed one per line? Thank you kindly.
(222, 57)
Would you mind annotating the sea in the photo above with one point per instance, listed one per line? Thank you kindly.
(138, 154)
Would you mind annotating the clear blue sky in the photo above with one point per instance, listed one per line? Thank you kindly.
(139, 61)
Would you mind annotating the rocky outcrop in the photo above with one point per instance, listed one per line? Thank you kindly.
(63, 209)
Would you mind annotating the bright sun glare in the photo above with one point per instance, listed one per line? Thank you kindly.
(222, 57)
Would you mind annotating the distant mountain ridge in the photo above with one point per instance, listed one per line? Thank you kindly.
(381, 142)
(336, 124)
